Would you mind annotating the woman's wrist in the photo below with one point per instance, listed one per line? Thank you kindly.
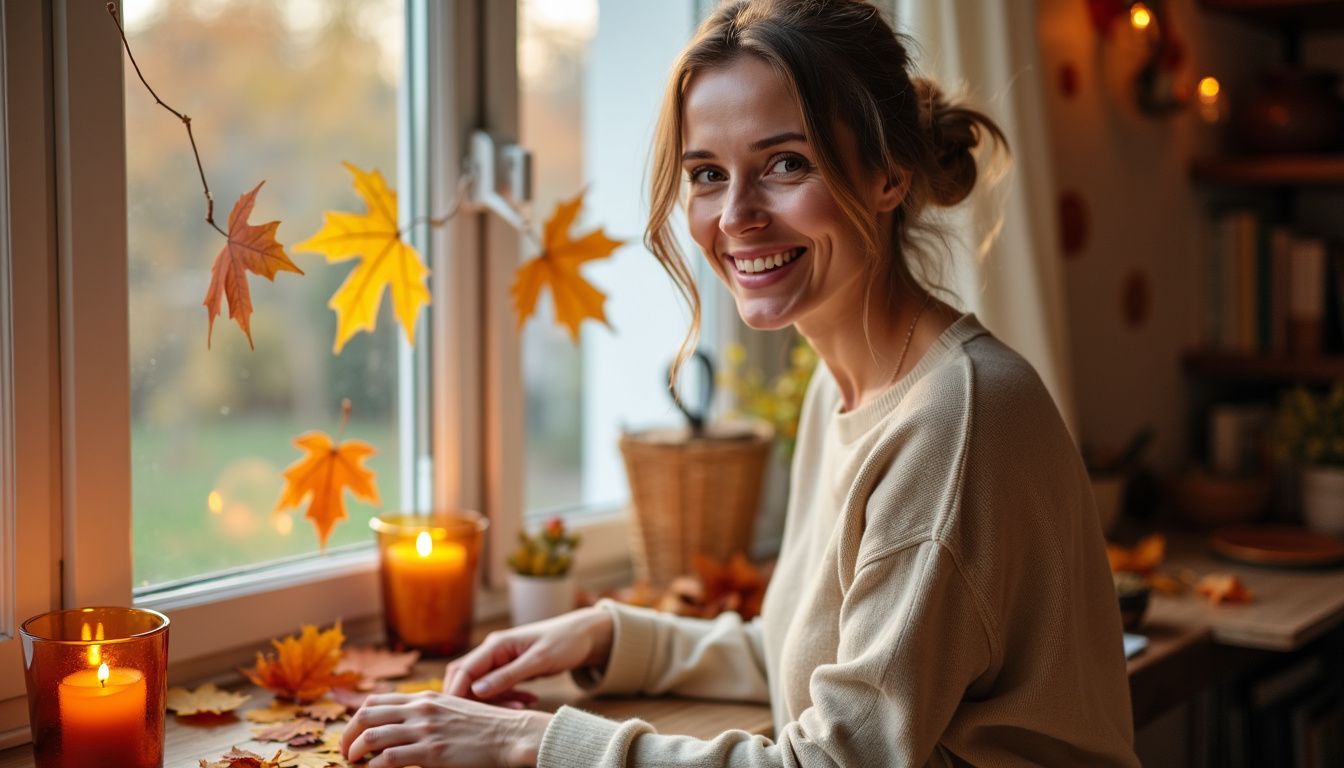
(524, 747)
(601, 631)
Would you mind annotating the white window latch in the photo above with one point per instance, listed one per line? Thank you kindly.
(500, 178)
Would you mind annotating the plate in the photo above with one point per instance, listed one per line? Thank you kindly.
(1277, 546)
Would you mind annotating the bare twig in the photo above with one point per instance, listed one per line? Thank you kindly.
(209, 200)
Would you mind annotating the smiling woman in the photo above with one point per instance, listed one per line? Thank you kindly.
(942, 595)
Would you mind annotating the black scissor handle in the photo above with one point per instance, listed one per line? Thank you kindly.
(696, 412)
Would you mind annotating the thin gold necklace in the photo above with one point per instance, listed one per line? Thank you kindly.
(908, 336)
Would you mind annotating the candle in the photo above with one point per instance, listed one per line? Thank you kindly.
(429, 587)
(102, 715)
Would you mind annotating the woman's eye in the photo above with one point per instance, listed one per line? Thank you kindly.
(789, 164)
(706, 176)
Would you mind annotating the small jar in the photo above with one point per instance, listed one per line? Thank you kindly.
(97, 683)
(428, 571)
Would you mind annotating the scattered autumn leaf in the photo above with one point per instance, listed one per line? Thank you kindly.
(324, 710)
(308, 760)
(250, 248)
(239, 758)
(284, 731)
(373, 664)
(1223, 588)
(323, 475)
(1143, 558)
(277, 712)
(557, 267)
(303, 667)
(208, 699)
(416, 686)
(386, 261)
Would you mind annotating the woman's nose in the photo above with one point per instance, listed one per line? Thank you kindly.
(742, 211)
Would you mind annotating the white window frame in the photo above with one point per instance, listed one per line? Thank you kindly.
(29, 478)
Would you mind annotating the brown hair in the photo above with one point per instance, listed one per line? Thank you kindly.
(844, 64)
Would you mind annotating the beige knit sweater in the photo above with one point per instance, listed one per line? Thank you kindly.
(941, 597)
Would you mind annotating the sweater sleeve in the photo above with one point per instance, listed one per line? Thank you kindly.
(913, 641)
(654, 653)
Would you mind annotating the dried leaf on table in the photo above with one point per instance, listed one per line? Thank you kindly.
(250, 248)
(386, 261)
(308, 760)
(239, 758)
(557, 268)
(208, 699)
(275, 713)
(303, 667)
(325, 710)
(1223, 588)
(323, 476)
(287, 730)
(1143, 558)
(373, 664)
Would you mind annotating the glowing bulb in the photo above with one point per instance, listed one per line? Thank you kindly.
(1208, 89)
(1140, 17)
(423, 544)
(102, 674)
(215, 501)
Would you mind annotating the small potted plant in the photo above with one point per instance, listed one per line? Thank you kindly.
(1310, 433)
(541, 582)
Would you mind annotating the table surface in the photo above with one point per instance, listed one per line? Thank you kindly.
(1191, 643)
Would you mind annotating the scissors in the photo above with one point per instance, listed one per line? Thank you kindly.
(696, 412)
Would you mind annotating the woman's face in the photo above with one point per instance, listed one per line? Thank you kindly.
(757, 204)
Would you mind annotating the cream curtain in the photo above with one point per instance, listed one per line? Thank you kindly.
(990, 49)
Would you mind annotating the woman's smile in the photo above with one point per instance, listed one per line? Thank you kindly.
(759, 267)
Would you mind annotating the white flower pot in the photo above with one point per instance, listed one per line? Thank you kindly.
(533, 598)
(1323, 499)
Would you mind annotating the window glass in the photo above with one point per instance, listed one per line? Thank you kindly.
(591, 76)
(281, 91)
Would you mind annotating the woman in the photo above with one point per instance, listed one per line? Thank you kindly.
(942, 595)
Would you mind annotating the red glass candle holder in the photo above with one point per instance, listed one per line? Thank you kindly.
(97, 679)
(428, 568)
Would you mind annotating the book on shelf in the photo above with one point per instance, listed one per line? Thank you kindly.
(1267, 289)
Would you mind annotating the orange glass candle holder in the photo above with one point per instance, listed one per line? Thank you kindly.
(97, 679)
(428, 568)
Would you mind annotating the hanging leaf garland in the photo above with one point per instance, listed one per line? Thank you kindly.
(322, 476)
(385, 261)
(557, 268)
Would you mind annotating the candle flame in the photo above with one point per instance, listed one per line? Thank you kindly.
(1208, 89)
(85, 634)
(1140, 17)
(102, 675)
(423, 544)
(98, 633)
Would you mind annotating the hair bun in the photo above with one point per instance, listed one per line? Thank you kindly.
(953, 131)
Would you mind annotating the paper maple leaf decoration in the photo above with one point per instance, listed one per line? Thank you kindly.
(304, 666)
(323, 475)
(250, 248)
(557, 267)
(386, 261)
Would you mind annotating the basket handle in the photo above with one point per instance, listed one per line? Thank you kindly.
(698, 412)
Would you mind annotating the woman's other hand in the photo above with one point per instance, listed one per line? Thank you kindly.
(579, 638)
(435, 730)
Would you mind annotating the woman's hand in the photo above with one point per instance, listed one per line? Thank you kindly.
(579, 638)
(436, 730)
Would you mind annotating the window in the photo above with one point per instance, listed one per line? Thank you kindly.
(211, 429)
(591, 77)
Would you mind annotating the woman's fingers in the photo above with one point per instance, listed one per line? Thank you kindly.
(399, 757)
(371, 715)
(527, 666)
(494, 652)
(382, 738)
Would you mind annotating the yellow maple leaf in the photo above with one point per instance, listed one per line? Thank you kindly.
(557, 266)
(303, 667)
(250, 248)
(386, 261)
(323, 475)
(208, 699)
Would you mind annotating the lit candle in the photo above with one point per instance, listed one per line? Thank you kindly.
(103, 716)
(429, 591)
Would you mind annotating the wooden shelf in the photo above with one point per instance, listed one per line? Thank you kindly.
(1271, 170)
(1303, 15)
(1266, 368)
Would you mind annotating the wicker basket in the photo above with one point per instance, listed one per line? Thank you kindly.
(693, 495)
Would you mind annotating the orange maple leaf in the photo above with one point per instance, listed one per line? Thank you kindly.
(558, 265)
(250, 248)
(303, 667)
(385, 261)
(324, 474)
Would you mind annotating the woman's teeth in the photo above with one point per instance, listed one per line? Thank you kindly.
(766, 263)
